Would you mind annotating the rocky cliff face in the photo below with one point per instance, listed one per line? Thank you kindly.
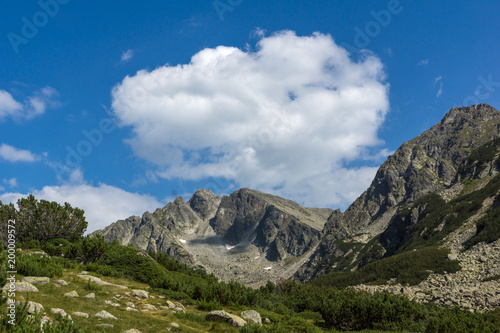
(434, 162)
(245, 236)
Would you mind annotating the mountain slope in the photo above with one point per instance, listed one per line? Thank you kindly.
(249, 235)
(433, 162)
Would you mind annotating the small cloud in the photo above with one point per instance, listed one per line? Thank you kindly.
(13, 154)
(389, 51)
(33, 106)
(127, 55)
(2, 188)
(423, 62)
(258, 33)
(439, 80)
(440, 91)
(10, 182)
(76, 177)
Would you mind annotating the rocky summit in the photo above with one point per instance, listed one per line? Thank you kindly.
(438, 192)
(247, 236)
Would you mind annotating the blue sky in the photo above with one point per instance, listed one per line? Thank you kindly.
(120, 106)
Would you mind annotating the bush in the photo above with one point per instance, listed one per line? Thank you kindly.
(407, 268)
(88, 249)
(41, 265)
(208, 306)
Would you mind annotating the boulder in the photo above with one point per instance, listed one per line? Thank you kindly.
(112, 303)
(91, 295)
(252, 315)
(148, 307)
(71, 294)
(62, 282)
(105, 315)
(128, 308)
(34, 307)
(80, 314)
(133, 330)
(35, 280)
(140, 293)
(223, 316)
(22, 287)
(170, 304)
(61, 312)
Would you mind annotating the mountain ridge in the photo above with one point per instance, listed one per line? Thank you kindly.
(253, 237)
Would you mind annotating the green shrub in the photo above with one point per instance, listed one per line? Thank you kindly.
(88, 249)
(41, 265)
(104, 270)
(407, 268)
(55, 247)
(208, 306)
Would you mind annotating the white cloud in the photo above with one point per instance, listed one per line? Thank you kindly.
(439, 80)
(8, 105)
(423, 62)
(127, 55)
(10, 182)
(283, 118)
(103, 204)
(13, 154)
(33, 106)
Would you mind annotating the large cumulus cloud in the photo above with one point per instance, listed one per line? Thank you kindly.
(286, 117)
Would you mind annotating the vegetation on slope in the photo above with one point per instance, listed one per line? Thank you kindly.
(405, 268)
(324, 304)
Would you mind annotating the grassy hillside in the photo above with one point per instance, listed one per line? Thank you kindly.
(289, 306)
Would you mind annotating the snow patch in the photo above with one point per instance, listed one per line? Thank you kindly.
(183, 241)
(268, 268)
(229, 247)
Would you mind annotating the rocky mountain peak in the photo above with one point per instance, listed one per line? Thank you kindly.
(427, 163)
(204, 203)
(459, 115)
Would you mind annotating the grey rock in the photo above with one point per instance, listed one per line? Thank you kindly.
(128, 308)
(148, 307)
(22, 287)
(35, 307)
(61, 312)
(80, 314)
(91, 295)
(105, 315)
(36, 280)
(112, 303)
(223, 316)
(71, 294)
(140, 293)
(62, 282)
(252, 315)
